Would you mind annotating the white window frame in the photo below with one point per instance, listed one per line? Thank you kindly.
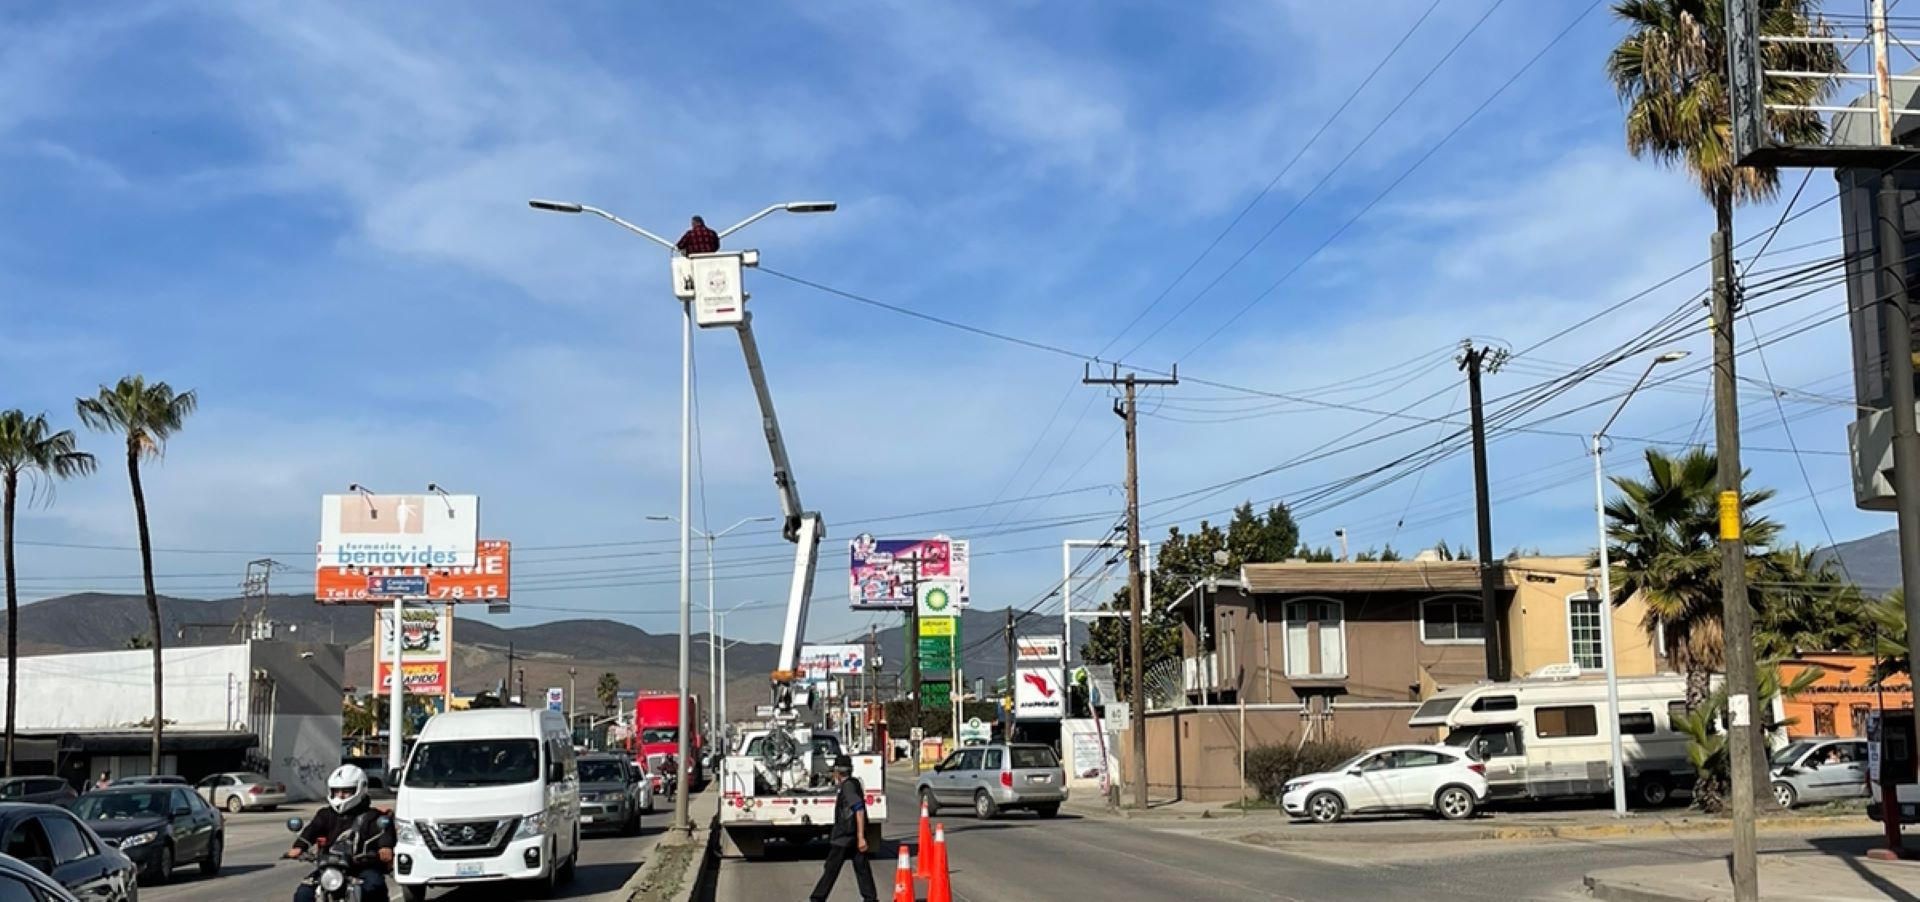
(1573, 655)
(1454, 598)
(1286, 649)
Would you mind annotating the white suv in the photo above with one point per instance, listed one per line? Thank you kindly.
(1433, 778)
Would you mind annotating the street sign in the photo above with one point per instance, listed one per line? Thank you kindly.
(402, 586)
(556, 698)
(489, 579)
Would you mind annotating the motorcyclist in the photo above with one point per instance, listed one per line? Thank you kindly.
(351, 826)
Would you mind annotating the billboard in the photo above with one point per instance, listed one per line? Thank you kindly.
(556, 698)
(818, 662)
(1037, 693)
(1038, 648)
(366, 530)
(422, 677)
(488, 579)
(938, 627)
(883, 570)
(426, 634)
(939, 598)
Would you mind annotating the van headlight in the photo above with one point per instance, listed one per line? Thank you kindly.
(531, 826)
(406, 832)
(332, 879)
(139, 839)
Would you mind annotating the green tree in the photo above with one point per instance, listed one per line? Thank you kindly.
(1385, 556)
(356, 718)
(1181, 561)
(1663, 537)
(1808, 605)
(1707, 744)
(1886, 629)
(608, 691)
(146, 415)
(28, 448)
(1670, 71)
(136, 642)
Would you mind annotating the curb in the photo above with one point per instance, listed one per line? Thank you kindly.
(696, 872)
(1520, 834)
(1622, 891)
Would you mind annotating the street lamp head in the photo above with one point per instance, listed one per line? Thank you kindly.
(812, 206)
(761, 519)
(554, 206)
(661, 518)
(1671, 357)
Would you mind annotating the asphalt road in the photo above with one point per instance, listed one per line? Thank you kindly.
(255, 841)
(1023, 858)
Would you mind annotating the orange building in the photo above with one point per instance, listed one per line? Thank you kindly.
(1837, 703)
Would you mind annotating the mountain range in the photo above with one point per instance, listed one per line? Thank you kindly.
(1873, 563)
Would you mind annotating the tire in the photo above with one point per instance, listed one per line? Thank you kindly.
(926, 798)
(1325, 808)
(163, 869)
(1786, 795)
(1047, 811)
(210, 865)
(1653, 792)
(234, 805)
(571, 866)
(1454, 803)
(412, 893)
(984, 807)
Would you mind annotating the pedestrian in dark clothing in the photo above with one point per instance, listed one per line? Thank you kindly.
(699, 239)
(848, 841)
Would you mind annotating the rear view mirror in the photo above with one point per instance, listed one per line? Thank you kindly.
(393, 777)
(295, 825)
(1354, 772)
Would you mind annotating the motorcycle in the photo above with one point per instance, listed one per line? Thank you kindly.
(334, 878)
(668, 771)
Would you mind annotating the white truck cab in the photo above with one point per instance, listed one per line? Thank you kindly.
(776, 786)
(488, 796)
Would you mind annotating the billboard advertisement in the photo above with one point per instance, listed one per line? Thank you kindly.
(818, 662)
(488, 579)
(423, 677)
(883, 569)
(556, 698)
(1037, 693)
(367, 530)
(939, 597)
(426, 634)
(1038, 648)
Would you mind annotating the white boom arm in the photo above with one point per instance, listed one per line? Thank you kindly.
(801, 526)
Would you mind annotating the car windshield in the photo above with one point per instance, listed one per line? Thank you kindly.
(121, 806)
(474, 762)
(1787, 755)
(601, 772)
(1027, 757)
(656, 735)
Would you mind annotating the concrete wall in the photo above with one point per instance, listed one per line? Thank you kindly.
(300, 717)
(205, 689)
(1193, 754)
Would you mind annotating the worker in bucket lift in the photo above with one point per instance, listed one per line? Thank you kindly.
(699, 239)
(849, 837)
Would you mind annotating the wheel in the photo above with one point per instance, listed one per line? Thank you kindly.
(1325, 807)
(163, 868)
(1047, 811)
(1785, 794)
(572, 864)
(210, 865)
(983, 806)
(926, 798)
(234, 805)
(1454, 803)
(1653, 792)
(413, 893)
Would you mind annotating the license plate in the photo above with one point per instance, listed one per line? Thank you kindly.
(1039, 778)
(469, 869)
(586, 819)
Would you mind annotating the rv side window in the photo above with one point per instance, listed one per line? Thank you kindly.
(1436, 707)
(1565, 720)
(1636, 723)
(1496, 703)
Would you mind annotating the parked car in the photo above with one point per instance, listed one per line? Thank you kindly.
(151, 780)
(56, 844)
(18, 881)
(613, 794)
(158, 827)
(996, 778)
(1436, 778)
(1820, 769)
(40, 790)
(242, 791)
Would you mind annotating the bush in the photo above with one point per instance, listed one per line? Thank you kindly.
(1269, 767)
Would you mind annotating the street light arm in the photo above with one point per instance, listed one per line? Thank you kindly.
(1623, 401)
(656, 239)
(744, 521)
(776, 208)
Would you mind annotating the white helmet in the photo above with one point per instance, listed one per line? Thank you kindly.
(350, 780)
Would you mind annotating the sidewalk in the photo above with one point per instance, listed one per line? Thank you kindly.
(1785, 876)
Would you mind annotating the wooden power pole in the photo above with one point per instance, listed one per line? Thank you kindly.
(1477, 361)
(1128, 409)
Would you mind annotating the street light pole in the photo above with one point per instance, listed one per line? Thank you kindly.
(714, 716)
(683, 749)
(1607, 662)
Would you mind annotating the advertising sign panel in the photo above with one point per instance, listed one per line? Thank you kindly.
(935, 694)
(1037, 648)
(625, 699)
(939, 597)
(556, 698)
(882, 569)
(363, 530)
(423, 677)
(718, 299)
(1037, 694)
(936, 653)
(488, 579)
(818, 662)
(938, 627)
(425, 634)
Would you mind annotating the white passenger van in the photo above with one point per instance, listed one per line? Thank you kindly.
(486, 797)
(1540, 737)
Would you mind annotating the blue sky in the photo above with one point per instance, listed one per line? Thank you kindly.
(315, 215)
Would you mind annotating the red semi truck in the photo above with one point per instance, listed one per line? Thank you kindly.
(656, 736)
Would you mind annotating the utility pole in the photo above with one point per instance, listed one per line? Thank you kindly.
(1129, 410)
(913, 649)
(258, 583)
(506, 683)
(1744, 748)
(1476, 361)
(1006, 731)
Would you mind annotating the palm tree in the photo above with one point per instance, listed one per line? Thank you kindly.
(608, 691)
(1671, 72)
(147, 415)
(28, 448)
(1810, 606)
(1663, 537)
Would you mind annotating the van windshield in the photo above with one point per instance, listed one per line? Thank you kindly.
(473, 762)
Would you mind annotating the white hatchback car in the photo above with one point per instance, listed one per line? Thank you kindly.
(1433, 778)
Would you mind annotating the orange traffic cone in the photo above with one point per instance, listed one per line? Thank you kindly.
(903, 878)
(938, 887)
(921, 866)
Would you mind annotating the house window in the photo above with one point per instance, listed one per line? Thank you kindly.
(1583, 632)
(1565, 720)
(1316, 638)
(1860, 712)
(1823, 719)
(1452, 620)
